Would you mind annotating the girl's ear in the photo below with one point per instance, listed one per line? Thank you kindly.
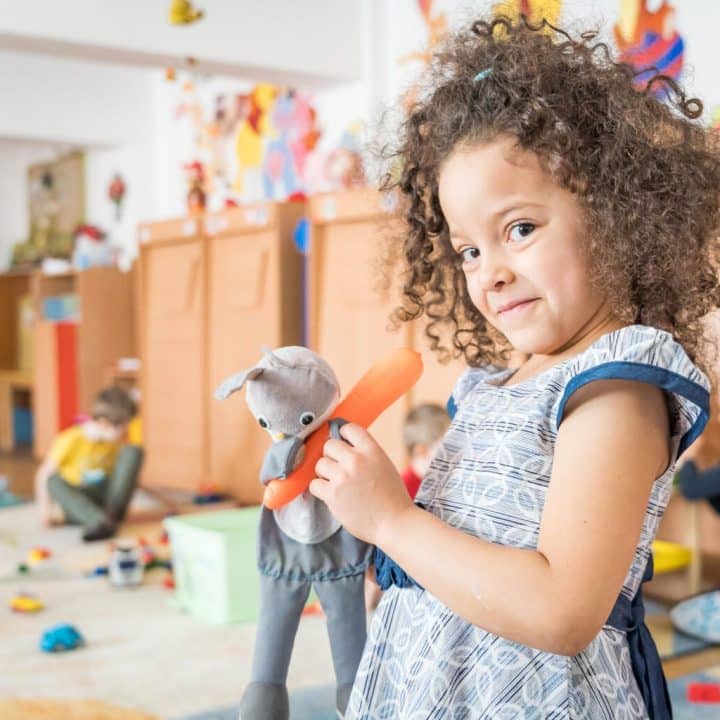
(235, 382)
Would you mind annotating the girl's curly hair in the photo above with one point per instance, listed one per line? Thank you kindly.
(646, 173)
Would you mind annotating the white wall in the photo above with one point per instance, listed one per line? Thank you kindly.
(272, 40)
(124, 115)
(53, 102)
(87, 103)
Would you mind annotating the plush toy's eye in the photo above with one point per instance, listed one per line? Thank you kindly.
(263, 422)
(307, 418)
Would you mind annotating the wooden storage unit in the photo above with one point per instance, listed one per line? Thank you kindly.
(214, 290)
(103, 332)
(31, 357)
(348, 317)
(15, 359)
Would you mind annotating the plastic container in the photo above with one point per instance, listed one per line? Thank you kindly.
(214, 564)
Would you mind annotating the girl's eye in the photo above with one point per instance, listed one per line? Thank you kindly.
(307, 418)
(520, 231)
(263, 422)
(469, 254)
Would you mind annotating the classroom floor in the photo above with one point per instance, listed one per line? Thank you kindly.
(142, 652)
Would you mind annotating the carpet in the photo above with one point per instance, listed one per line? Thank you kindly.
(683, 709)
(671, 643)
(313, 703)
(49, 709)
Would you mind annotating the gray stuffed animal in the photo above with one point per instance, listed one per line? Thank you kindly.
(291, 392)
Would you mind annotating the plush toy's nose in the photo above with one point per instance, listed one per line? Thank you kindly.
(278, 436)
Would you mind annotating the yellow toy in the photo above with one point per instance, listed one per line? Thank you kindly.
(38, 554)
(669, 556)
(182, 12)
(23, 603)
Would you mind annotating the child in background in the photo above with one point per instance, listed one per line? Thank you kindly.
(423, 432)
(550, 206)
(89, 472)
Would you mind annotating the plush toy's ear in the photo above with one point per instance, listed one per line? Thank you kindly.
(275, 360)
(235, 382)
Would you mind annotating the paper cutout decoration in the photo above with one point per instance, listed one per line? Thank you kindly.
(649, 40)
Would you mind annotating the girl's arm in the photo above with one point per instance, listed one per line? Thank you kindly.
(611, 446)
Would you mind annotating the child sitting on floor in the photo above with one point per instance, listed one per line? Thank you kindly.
(89, 472)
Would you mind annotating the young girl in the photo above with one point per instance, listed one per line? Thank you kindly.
(554, 208)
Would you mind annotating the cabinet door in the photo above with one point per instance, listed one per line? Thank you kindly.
(349, 318)
(438, 379)
(105, 332)
(174, 386)
(244, 315)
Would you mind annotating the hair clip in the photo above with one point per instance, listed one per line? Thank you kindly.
(482, 74)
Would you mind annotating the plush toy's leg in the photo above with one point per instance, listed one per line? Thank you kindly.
(281, 605)
(344, 604)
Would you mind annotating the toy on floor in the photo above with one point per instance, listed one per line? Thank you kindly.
(38, 554)
(61, 638)
(99, 571)
(293, 393)
(669, 557)
(126, 567)
(25, 603)
(699, 692)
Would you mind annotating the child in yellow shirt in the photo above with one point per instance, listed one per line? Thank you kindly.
(89, 472)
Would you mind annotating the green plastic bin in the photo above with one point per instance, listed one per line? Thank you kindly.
(214, 564)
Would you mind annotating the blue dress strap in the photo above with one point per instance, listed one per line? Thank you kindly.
(628, 616)
(644, 354)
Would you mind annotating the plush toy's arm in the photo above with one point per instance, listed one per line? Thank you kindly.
(281, 459)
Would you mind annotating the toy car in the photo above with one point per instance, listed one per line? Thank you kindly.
(61, 638)
(24, 603)
(39, 554)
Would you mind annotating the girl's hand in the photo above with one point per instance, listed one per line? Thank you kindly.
(360, 484)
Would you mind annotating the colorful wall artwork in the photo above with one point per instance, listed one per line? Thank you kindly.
(251, 146)
(535, 10)
(649, 39)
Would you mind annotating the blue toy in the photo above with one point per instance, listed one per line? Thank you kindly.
(61, 638)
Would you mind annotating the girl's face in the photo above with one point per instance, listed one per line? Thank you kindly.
(520, 237)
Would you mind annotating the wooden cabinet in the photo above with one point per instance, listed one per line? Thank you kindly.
(214, 290)
(348, 319)
(64, 364)
(71, 358)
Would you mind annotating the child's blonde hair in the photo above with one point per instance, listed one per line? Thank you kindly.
(646, 174)
(424, 425)
(114, 405)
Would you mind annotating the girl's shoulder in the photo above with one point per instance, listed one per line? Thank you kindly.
(470, 378)
(645, 354)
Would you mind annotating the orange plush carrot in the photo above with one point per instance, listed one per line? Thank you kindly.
(387, 380)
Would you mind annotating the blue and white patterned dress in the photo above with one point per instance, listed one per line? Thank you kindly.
(490, 479)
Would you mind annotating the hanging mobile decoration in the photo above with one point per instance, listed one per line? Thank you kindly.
(182, 12)
(116, 193)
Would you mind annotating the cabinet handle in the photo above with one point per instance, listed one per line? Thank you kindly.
(191, 284)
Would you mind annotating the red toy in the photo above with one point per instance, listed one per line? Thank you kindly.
(699, 692)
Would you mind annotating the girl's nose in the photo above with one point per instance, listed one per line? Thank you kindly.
(495, 272)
